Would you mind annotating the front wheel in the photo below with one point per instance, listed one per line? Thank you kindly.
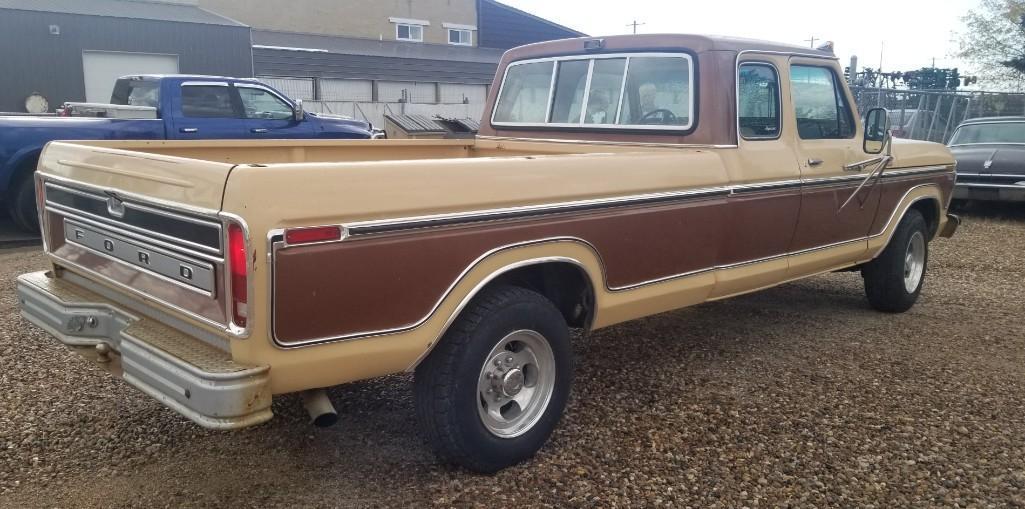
(894, 280)
(493, 390)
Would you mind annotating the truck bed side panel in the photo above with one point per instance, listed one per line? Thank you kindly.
(378, 284)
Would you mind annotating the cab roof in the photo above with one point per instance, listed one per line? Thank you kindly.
(693, 42)
(197, 77)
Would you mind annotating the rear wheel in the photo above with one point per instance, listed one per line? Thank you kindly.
(493, 390)
(894, 280)
(22, 203)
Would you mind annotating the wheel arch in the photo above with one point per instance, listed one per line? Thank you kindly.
(926, 200)
(929, 207)
(571, 276)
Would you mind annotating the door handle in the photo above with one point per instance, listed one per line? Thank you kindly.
(188, 130)
(258, 130)
(814, 162)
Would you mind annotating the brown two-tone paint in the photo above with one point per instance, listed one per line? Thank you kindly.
(391, 280)
(394, 280)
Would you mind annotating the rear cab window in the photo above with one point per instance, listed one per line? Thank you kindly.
(136, 92)
(650, 91)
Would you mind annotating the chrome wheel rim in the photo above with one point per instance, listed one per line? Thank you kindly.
(516, 384)
(914, 262)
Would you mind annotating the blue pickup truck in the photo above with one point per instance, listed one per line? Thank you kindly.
(184, 108)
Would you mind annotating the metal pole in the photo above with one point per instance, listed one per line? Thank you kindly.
(922, 101)
(950, 117)
(932, 124)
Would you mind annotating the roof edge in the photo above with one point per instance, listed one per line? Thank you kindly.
(535, 17)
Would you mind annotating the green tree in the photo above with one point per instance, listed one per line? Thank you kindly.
(993, 40)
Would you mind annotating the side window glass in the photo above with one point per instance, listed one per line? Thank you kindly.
(657, 92)
(821, 109)
(207, 101)
(569, 92)
(758, 112)
(259, 103)
(524, 96)
(606, 89)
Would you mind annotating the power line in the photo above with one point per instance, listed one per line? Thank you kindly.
(635, 24)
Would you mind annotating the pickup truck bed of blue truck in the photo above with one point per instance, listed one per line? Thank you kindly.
(188, 108)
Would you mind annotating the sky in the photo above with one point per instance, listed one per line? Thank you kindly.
(911, 33)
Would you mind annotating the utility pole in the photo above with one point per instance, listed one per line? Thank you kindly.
(635, 24)
(812, 41)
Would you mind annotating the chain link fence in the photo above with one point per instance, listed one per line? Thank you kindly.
(933, 115)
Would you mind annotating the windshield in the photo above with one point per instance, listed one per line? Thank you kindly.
(999, 132)
(648, 91)
(129, 92)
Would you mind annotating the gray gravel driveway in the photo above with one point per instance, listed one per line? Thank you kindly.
(800, 395)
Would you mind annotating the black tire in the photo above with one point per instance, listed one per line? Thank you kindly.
(885, 276)
(446, 384)
(21, 203)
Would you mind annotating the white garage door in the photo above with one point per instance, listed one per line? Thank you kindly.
(103, 68)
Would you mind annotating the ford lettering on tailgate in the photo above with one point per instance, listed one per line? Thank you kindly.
(190, 273)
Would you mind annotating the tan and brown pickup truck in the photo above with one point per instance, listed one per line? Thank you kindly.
(612, 179)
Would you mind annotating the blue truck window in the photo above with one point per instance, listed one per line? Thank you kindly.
(207, 101)
(259, 103)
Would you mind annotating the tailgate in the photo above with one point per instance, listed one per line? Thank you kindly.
(180, 182)
(145, 224)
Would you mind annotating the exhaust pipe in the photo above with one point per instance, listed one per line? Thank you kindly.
(322, 412)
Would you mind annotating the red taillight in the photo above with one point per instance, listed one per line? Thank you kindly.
(311, 235)
(239, 270)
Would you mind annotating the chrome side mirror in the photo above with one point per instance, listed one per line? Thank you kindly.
(298, 113)
(877, 131)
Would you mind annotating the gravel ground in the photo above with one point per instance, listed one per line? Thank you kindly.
(796, 396)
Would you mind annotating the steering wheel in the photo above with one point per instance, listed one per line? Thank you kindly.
(665, 116)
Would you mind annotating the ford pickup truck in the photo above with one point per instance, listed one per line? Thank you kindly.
(613, 179)
(186, 108)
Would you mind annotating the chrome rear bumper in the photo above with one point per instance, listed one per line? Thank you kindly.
(186, 374)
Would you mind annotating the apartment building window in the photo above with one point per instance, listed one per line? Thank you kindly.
(413, 33)
(411, 30)
(460, 35)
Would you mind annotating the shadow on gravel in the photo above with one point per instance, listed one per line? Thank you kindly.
(1000, 211)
